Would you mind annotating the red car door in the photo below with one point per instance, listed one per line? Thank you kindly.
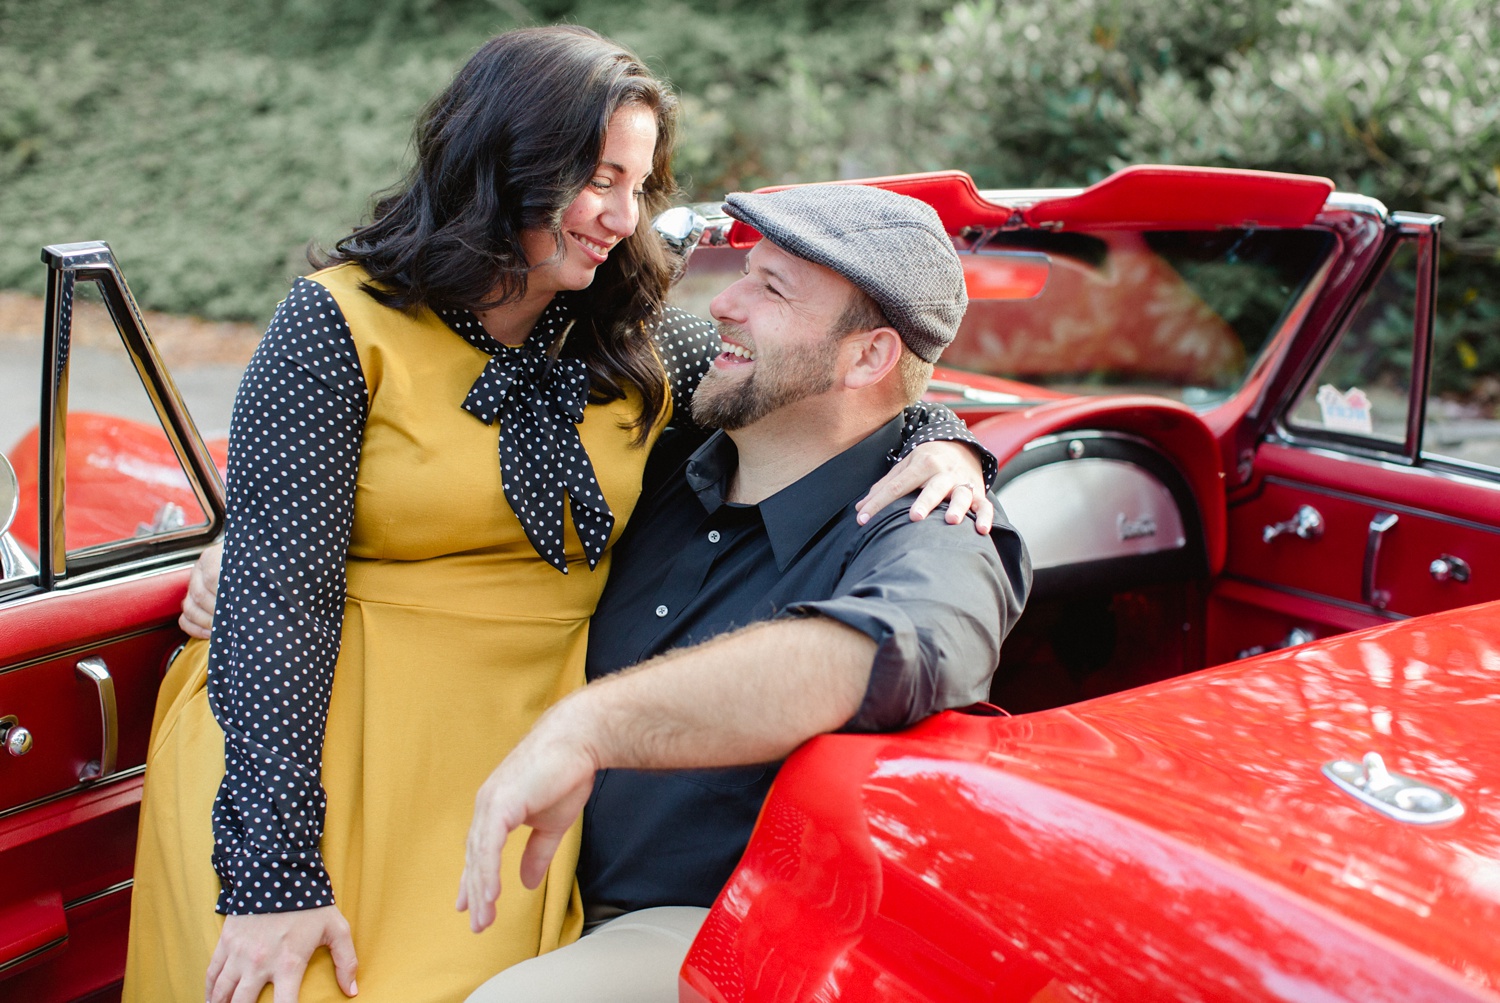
(104, 506)
(1372, 497)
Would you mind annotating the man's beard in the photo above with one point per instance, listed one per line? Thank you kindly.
(780, 378)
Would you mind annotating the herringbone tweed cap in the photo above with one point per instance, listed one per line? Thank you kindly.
(891, 246)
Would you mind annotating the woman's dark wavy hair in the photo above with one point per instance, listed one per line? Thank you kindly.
(506, 148)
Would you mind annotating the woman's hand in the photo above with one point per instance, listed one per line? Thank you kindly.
(942, 470)
(274, 948)
(197, 619)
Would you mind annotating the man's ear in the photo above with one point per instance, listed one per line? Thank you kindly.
(876, 353)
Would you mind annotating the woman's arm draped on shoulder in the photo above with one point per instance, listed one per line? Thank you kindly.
(924, 422)
(294, 449)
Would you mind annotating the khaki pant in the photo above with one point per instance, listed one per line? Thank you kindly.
(633, 958)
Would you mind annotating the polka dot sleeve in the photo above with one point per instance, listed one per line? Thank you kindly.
(925, 422)
(293, 453)
(688, 343)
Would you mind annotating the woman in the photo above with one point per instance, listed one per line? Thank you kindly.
(373, 527)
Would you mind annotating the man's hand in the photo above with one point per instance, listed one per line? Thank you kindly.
(274, 948)
(942, 470)
(543, 783)
(197, 619)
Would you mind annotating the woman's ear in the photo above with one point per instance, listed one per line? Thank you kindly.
(877, 352)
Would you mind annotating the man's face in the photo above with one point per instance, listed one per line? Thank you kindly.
(780, 347)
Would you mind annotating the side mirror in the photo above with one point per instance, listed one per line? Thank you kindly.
(680, 229)
(13, 560)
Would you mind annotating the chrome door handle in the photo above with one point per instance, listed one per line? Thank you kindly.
(1379, 526)
(95, 670)
(1449, 568)
(1306, 524)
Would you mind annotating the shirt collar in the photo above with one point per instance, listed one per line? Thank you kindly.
(548, 326)
(795, 513)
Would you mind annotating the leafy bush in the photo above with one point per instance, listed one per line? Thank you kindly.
(211, 144)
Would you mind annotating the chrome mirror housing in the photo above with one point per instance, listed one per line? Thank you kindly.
(680, 229)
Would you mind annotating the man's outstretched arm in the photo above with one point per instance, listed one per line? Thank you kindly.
(798, 677)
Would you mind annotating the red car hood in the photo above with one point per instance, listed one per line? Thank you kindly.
(1175, 841)
(1229, 760)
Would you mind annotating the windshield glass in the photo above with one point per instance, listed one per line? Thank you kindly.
(1180, 314)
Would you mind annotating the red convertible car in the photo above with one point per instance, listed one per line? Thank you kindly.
(1244, 743)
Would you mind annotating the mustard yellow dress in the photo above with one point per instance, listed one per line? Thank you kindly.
(455, 637)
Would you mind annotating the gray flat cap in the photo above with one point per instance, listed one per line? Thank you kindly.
(893, 247)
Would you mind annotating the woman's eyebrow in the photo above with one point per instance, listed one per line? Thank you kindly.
(617, 168)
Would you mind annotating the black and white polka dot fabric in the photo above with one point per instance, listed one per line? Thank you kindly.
(293, 456)
(293, 459)
(538, 402)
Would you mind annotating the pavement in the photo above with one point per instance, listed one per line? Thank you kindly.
(205, 359)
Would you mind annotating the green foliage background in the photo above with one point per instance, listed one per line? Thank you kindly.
(211, 143)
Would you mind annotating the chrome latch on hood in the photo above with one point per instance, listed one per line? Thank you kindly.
(1393, 794)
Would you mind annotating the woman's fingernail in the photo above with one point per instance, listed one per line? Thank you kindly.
(862, 518)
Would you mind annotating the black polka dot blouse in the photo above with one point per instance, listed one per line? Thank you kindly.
(293, 455)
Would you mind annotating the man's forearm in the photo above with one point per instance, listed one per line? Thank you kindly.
(747, 697)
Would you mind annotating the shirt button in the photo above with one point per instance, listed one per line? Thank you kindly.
(713, 536)
(661, 611)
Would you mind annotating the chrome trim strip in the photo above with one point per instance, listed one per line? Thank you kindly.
(53, 656)
(1022, 198)
(1348, 605)
(36, 952)
(114, 889)
(119, 574)
(1381, 503)
(93, 261)
(52, 431)
(100, 785)
(1437, 467)
(1362, 204)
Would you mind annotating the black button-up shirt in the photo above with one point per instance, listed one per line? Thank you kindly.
(936, 599)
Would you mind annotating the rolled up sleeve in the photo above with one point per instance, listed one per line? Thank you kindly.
(938, 601)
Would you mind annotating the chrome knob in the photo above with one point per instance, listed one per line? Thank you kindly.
(16, 738)
(1305, 524)
(1448, 567)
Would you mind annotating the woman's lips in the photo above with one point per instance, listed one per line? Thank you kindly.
(598, 251)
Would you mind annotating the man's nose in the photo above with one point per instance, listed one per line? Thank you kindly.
(725, 306)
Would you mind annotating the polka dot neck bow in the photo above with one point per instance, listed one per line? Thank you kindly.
(538, 401)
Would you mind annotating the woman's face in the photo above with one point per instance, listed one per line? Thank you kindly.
(603, 214)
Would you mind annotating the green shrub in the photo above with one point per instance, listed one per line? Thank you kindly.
(211, 144)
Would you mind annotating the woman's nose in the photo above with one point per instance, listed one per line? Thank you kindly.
(622, 212)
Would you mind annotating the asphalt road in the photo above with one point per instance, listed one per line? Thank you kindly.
(101, 381)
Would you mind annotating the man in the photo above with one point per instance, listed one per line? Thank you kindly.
(762, 611)
(843, 307)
